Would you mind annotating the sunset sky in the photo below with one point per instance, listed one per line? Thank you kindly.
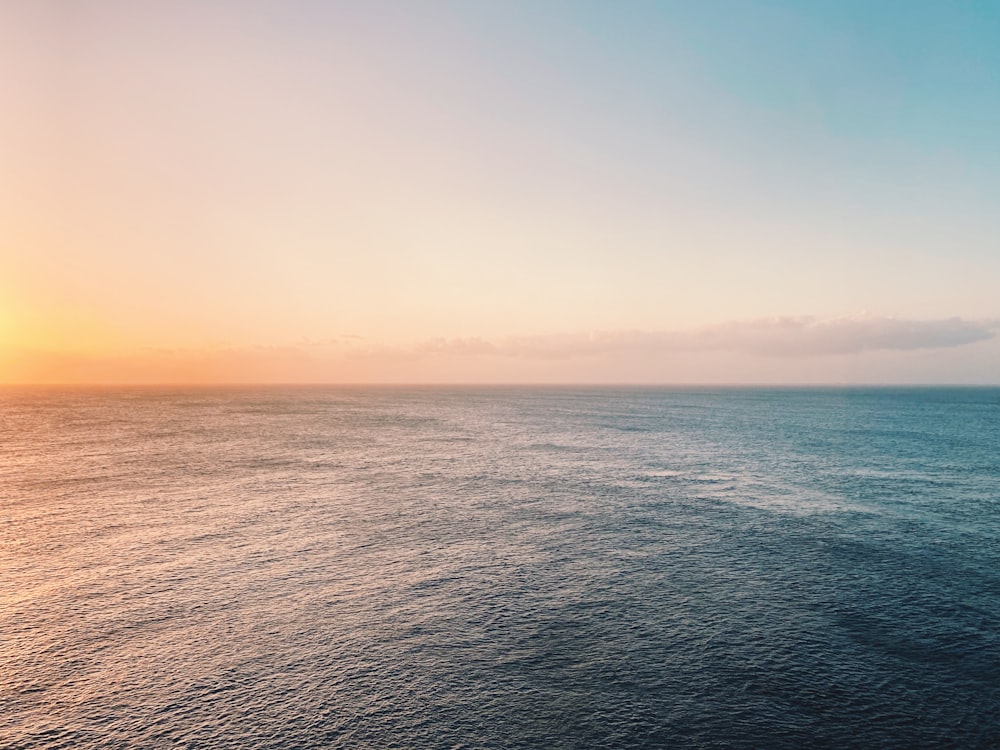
(537, 191)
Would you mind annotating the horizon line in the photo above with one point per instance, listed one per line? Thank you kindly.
(517, 384)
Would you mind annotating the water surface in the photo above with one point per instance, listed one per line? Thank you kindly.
(499, 568)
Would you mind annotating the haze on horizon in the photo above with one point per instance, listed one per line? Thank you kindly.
(647, 192)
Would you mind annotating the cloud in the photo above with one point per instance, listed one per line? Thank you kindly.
(772, 337)
(473, 345)
(808, 336)
(775, 349)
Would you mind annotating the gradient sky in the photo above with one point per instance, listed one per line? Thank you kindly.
(538, 191)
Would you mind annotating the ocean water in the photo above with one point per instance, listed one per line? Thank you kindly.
(499, 568)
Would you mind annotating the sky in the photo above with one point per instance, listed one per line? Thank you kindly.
(490, 192)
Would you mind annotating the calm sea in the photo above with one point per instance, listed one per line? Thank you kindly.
(500, 568)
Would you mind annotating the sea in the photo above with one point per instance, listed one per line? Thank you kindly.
(499, 567)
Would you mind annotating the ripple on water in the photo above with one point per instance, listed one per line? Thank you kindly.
(499, 568)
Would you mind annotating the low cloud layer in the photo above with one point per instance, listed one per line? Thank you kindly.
(774, 337)
(866, 349)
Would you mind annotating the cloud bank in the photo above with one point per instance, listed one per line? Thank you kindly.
(772, 337)
(862, 349)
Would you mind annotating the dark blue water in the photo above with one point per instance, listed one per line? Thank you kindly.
(500, 568)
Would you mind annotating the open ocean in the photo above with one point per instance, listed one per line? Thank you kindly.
(499, 568)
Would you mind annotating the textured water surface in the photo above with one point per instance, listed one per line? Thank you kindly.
(499, 568)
